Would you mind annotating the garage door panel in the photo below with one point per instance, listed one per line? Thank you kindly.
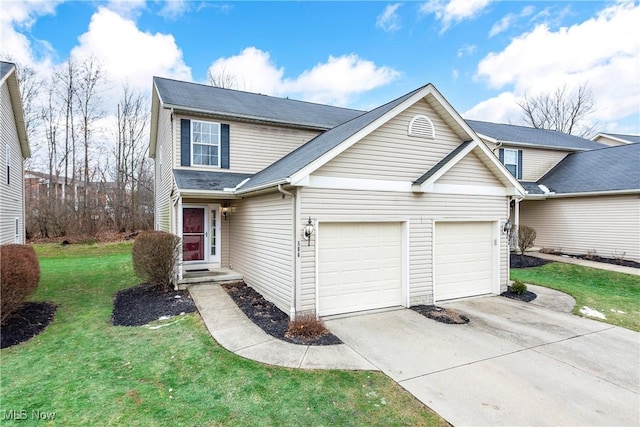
(360, 266)
(463, 259)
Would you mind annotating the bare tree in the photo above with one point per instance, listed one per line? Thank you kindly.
(561, 110)
(65, 87)
(223, 80)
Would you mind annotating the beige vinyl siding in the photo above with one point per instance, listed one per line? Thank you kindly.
(163, 174)
(12, 194)
(470, 170)
(252, 147)
(609, 141)
(610, 225)
(535, 161)
(262, 245)
(389, 153)
(419, 209)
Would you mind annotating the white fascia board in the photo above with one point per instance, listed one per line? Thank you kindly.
(469, 190)
(488, 138)
(263, 186)
(155, 112)
(358, 184)
(594, 193)
(344, 145)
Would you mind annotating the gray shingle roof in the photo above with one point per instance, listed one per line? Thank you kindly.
(5, 68)
(531, 136)
(531, 187)
(608, 169)
(441, 163)
(323, 143)
(626, 137)
(253, 106)
(205, 180)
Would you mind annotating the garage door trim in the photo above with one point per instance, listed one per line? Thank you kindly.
(404, 222)
(496, 251)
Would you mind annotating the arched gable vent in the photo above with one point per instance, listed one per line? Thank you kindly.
(421, 126)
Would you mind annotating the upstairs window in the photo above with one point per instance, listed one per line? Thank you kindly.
(205, 143)
(512, 159)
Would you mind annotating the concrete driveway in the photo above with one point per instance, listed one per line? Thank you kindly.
(513, 364)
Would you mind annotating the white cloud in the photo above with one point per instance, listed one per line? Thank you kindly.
(128, 54)
(466, 49)
(603, 51)
(174, 9)
(508, 20)
(500, 109)
(127, 8)
(389, 20)
(335, 81)
(453, 11)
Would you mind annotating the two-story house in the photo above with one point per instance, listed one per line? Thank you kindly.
(14, 150)
(330, 210)
(582, 196)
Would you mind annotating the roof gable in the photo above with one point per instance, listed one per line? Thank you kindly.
(528, 136)
(608, 169)
(619, 137)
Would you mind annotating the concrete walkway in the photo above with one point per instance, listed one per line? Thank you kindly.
(234, 331)
(587, 263)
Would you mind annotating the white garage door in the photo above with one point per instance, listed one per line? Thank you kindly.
(359, 266)
(464, 259)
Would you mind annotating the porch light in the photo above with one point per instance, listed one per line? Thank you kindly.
(506, 228)
(308, 231)
(225, 210)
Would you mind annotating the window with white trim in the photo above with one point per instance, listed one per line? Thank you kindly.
(511, 161)
(205, 143)
(8, 157)
(17, 238)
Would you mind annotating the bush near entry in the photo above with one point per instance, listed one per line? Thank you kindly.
(155, 255)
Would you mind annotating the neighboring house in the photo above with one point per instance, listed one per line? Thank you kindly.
(615, 138)
(330, 210)
(582, 196)
(14, 150)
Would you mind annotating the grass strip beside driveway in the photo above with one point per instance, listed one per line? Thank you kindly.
(89, 372)
(616, 295)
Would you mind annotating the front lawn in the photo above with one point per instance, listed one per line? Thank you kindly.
(89, 372)
(615, 295)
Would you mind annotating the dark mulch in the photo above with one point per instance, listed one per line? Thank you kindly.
(623, 262)
(27, 322)
(267, 316)
(527, 296)
(440, 314)
(525, 261)
(142, 304)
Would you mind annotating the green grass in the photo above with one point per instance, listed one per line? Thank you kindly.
(92, 373)
(616, 295)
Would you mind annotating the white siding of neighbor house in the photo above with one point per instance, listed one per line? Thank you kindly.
(12, 194)
(252, 147)
(163, 174)
(419, 209)
(389, 153)
(609, 141)
(535, 161)
(610, 225)
(262, 245)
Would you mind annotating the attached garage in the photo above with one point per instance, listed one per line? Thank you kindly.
(359, 266)
(464, 259)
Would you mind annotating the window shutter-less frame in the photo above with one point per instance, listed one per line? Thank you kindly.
(185, 142)
(519, 164)
(224, 146)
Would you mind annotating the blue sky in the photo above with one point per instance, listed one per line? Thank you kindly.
(482, 55)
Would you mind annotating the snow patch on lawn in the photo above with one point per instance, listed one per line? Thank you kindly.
(617, 311)
(590, 312)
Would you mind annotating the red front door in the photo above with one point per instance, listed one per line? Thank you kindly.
(193, 234)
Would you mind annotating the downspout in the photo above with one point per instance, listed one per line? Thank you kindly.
(292, 310)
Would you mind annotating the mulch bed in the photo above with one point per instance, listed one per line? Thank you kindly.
(142, 304)
(440, 314)
(525, 261)
(596, 258)
(527, 296)
(268, 317)
(27, 322)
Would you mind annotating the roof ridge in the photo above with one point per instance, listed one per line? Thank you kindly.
(255, 93)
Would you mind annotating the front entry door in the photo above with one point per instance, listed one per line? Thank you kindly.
(201, 234)
(194, 235)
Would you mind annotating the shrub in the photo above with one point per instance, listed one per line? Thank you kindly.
(306, 327)
(518, 287)
(20, 274)
(526, 237)
(154, 255)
